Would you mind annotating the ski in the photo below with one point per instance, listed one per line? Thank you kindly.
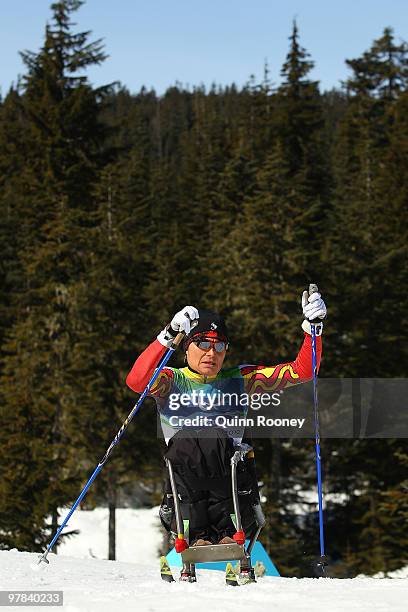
(165, 571)
(247, 576)
(230, 576)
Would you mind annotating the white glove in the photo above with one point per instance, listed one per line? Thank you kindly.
(182, 321)
(313, 308)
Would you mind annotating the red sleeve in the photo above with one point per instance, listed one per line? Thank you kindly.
(303, 362)
(144, 366)
(266, 378)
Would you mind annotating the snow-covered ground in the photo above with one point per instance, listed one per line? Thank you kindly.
(107, 586)
(90, 583)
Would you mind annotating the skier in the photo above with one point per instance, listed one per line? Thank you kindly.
(200, 455)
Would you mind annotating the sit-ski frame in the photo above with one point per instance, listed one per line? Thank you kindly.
(211, 553)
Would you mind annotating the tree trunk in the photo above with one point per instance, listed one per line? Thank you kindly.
(112, 521)
(276, 469)
(273, 488)
(54, 527)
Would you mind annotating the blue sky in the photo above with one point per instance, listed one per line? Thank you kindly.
(158, 42)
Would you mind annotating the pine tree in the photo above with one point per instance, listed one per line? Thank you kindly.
(118, 268)
(381, 72)
(366, 257)
(12, 171)
(362, 226)
(62, 132)
(280, 228)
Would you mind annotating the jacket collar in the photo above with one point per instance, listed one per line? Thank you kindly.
(200, 378)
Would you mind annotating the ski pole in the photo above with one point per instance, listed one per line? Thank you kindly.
(321, 564)
(166, 357)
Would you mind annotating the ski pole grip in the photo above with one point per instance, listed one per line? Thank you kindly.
(181, 335)
(177, 339)
(313, 289)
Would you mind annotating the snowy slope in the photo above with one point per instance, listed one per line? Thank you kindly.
(138, 535)
(106, 586)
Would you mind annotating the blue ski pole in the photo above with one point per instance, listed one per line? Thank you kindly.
(320, 564)
(166, 357)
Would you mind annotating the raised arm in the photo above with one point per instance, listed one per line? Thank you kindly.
(264, 378)
(258, 379)
(145, 364)
(144, 367)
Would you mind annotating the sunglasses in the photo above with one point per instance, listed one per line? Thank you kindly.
(205, 345)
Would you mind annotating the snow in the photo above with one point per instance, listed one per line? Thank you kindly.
(308, 500)
(133, 582)
(106, 586)
(138, 535)
(400, 573)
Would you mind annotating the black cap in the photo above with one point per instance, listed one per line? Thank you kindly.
(209, 321)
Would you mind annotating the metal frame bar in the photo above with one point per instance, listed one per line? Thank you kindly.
(234, 462)
(179, 518)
